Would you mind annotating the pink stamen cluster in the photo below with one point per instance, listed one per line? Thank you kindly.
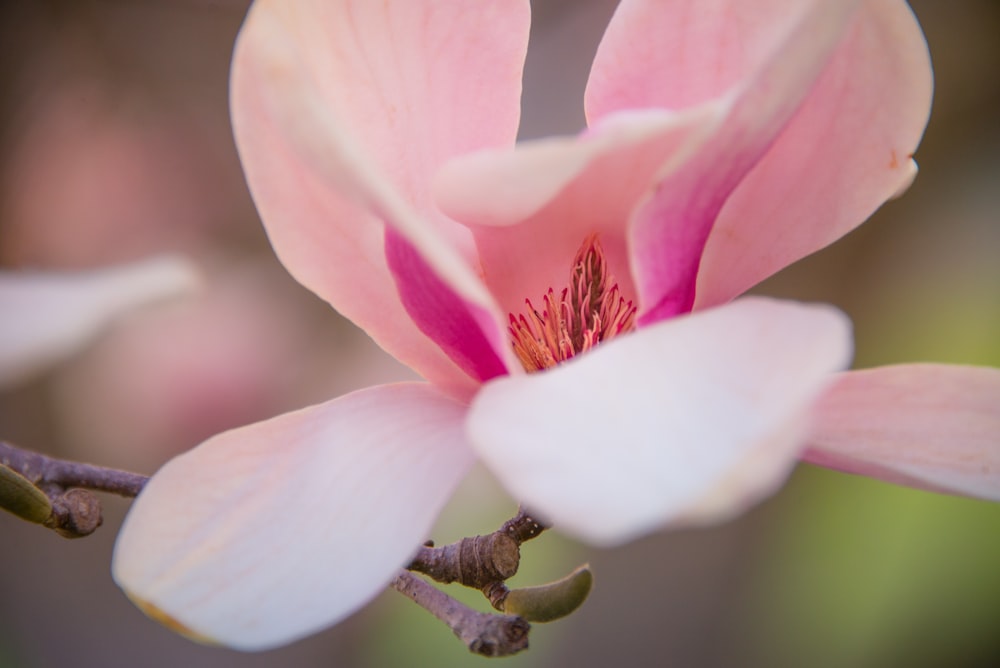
(587, 312)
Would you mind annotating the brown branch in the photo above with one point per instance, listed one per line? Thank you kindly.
(75, 513)
(44, 470)
(482, 633)
(481, 562)
(522, 527)
(473, 562)
(72, 511)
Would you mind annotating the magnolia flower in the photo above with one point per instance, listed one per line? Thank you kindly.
(569, 301)
(46, 316)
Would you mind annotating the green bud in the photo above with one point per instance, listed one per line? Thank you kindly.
(19, 496)
(551, 601)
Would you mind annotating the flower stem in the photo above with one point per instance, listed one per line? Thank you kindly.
(68, 508)
(480, 562)
(43, 470)
(482, 633)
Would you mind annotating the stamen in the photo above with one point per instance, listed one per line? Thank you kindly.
(590, 310)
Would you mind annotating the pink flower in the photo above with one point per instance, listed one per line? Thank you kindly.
(47, 316)
(726, 140)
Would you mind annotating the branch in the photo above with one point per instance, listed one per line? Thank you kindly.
(481, 562)
(54, 492)
(41, 469)
(482, 633)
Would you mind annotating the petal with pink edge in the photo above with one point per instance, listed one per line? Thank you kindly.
(47, 315)
(932, 426)
(341, 110)
(689, 420)
(669, 230)
(846, 151)
(270, 532)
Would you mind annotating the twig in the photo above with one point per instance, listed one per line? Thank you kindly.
(481, 562)
(75, 512)
(44, 470)
(482, 633)
(67, 506)
(522, 527)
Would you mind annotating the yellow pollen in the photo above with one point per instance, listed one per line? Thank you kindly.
(588, 311)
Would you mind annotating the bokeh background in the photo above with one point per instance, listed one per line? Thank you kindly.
(115, 144)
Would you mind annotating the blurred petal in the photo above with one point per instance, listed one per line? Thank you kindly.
(688, 420)
(270, 532)
(928, 425)
(670, 229)
(47, 315)
(533, 206)
(846, 151)
(342, 111)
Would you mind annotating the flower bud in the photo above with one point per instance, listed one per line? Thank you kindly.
(551, 601)
(20, 496)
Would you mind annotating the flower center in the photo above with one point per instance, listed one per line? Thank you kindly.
(588, 311)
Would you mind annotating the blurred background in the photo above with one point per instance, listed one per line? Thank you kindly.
(115, 144)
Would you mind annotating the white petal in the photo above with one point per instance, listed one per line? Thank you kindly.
(688, 420)
(45, 316)
(267, 533)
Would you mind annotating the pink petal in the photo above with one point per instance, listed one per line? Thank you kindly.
(471, 336)
(342, 111)
(270, 532)
(928, 425)
(533, 207)
(679, 54)
(846, 151)
(689, 420)
(45, 316)
(768, 60)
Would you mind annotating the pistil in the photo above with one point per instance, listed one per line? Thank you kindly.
(588, 311)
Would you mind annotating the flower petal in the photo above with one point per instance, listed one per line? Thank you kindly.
(341, 111)
(770, 59)
(683, 53)
(933, 426)
(846, 151)
(533, 206)
(270, 532)
(48, 315)
(688, 420)
(501, 187)
(468, 333)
